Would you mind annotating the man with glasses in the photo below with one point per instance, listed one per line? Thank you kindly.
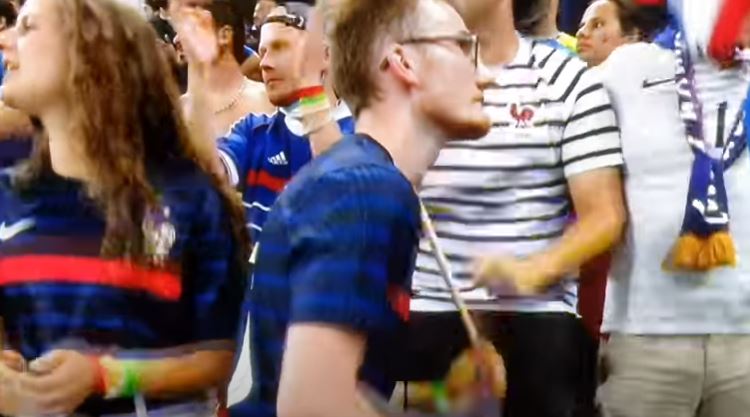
(329, 296)
(502, 209)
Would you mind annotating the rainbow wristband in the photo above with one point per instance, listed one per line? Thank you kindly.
(132, 381)
(310, 92)
(314, 105)
(440, 397)
(121, 378)
(312, 109)
(312, 100)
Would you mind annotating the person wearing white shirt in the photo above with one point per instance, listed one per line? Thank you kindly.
(679, 341)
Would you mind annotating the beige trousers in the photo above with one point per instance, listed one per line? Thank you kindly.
(675, 376)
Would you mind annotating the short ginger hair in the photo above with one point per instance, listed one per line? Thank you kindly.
(356, 29)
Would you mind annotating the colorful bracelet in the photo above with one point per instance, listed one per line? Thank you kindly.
(312, 109)
(440, 397)
(100, 382)
(121, 378)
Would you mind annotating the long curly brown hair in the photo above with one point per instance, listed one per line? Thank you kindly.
(125, 105)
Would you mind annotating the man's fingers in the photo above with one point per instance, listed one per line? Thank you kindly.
(47, 363)
(479, 272)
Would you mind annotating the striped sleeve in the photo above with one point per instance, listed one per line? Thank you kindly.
(591, 136)
(352, 250)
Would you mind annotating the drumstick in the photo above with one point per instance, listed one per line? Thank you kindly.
(447, 274)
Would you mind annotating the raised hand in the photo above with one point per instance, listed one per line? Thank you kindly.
(314, 62)
(196, 30)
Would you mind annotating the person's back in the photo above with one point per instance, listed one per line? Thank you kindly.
(647, 92)
(361, 170)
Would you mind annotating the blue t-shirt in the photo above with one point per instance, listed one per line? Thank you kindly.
(56, 291)
(261, 154)
(14, 150)
(339, 248)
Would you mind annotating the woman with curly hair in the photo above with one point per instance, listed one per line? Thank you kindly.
(121, 252)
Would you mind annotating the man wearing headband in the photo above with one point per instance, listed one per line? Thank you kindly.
(260, 153)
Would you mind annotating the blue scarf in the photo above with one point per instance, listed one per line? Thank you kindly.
(704, 241)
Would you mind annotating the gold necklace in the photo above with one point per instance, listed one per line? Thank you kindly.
(235, 99)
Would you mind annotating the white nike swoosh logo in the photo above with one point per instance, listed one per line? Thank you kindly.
(8, 232)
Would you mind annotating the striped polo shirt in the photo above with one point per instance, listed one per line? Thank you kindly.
(261, 153)
(507, 193)
(56, 291)
(338, 248)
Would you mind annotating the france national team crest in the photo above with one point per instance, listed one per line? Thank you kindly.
(523, 115)
(159, 235)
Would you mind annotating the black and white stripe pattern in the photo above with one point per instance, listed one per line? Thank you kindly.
(507, 193)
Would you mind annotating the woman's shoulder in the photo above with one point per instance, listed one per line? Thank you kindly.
(182, 176)
(187, 187)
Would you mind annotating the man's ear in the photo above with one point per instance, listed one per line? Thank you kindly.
(224, 36)
(401, 65)
(326, 60)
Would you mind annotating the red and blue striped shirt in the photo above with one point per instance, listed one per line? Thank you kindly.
(56, 291)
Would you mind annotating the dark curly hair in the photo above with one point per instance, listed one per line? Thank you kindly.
(127, 112)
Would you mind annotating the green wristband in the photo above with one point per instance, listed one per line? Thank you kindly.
(132, 381)
(440, 397)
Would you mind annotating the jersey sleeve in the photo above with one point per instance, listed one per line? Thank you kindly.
(354, 255)
(234, 149)
(214, 273)
(591, 136)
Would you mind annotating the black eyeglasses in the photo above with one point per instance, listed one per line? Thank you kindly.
(468, 43)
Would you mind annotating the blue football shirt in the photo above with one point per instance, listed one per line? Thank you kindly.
(262, 153)
(339, 248)
(56, 291)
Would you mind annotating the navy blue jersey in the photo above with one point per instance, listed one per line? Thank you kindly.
(14, 150)
(261, 154)
(339, 248)
(56, 291)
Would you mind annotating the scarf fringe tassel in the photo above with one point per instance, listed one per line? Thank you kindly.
(693, 253)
